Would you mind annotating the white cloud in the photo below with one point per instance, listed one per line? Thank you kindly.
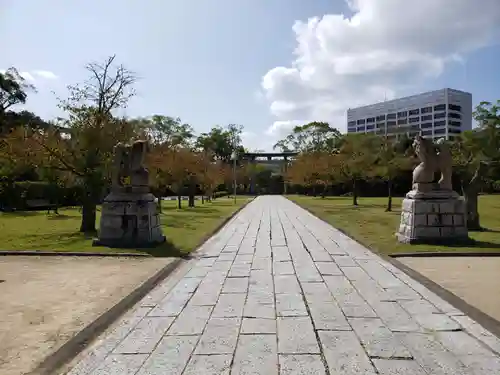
(45, 74)
(27, 76)
(39, 74)
(385, 47)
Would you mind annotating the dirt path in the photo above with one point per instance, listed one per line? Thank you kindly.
(475, 280)
(46, 300)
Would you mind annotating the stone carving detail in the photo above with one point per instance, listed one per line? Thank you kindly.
(433, 158)
(128, 165)
(432, 211)
(129, 215)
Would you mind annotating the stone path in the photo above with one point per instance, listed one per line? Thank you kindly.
(278, 291)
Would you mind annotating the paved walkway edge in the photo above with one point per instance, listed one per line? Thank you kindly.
(488, 322)
(71, 253)
(82, 339)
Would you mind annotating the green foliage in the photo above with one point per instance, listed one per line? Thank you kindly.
(311, 137)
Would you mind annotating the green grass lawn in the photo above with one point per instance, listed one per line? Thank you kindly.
(184, 229)
(374, 228)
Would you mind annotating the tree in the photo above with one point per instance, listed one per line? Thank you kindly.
(391, 160)
(175, 167)
(357, 155)
(221, 141)
(314, 136)
(169, 130)
(13, 89)
(91, 131)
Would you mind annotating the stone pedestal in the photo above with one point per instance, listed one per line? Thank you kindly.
(437, 216)
(129, 220)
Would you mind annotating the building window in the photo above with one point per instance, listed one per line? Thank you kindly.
(351, 123)
(440, 107)
(426, 110)
(440, 115)
(360, 129)
(361, 122)
(455, 131)
(414, 112)
(415, 127)
(370, 119)
(455, 107)
(391, 116)
(454, 115)
(439, 123)
(391, 123)
(351, 130)
(454, 123)
(402, 114)
(381, 118)
(426, 125)
(370, 127)
(440, 131)
(426, 118)
(426, 132)
(402, 121)
(414, 119)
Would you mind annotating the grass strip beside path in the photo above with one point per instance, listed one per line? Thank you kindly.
(184, 229)
(374, 228)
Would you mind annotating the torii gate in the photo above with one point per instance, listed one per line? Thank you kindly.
(284, 158)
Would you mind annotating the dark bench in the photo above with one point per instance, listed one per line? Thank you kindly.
(40, 204)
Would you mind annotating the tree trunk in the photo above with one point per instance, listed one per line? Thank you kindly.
(323, 193)
(88, 216)
(389, 196)
(179, 202)
(354, 193)
(203, 198)
(192, 192)
(159, 202)
(471, 199)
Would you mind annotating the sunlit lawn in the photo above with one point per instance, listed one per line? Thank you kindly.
(371, 226)
(184, 228)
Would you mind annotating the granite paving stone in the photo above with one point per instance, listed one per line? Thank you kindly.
(278, 291)
(235, 285)
(290, 305)
(191, 321)
(328, 268)
(328, 316)
(170, 356)
(398, 367)
(256, 354)
(304, 364)
(344, 353)
(118, 364)
(296, 336)
(220, 336)
(145, 336)
(229, 305)
(258, 325)
(209, 365)
(377, 340)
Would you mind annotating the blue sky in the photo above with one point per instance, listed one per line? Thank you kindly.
(205, 61)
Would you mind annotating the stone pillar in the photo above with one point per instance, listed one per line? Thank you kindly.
(433, 217)
(129, 214)
(252, 177)
(285, 183)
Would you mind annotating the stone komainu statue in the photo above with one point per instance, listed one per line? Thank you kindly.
(129, 162)
(433, 157)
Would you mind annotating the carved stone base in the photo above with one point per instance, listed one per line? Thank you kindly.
(433, 217)
(129, 220)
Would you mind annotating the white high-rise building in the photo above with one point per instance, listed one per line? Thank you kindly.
(433, 114)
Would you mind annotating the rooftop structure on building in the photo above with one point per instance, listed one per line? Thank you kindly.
(435, 114)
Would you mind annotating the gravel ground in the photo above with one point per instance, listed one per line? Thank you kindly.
(474, 279)
(47, 300)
